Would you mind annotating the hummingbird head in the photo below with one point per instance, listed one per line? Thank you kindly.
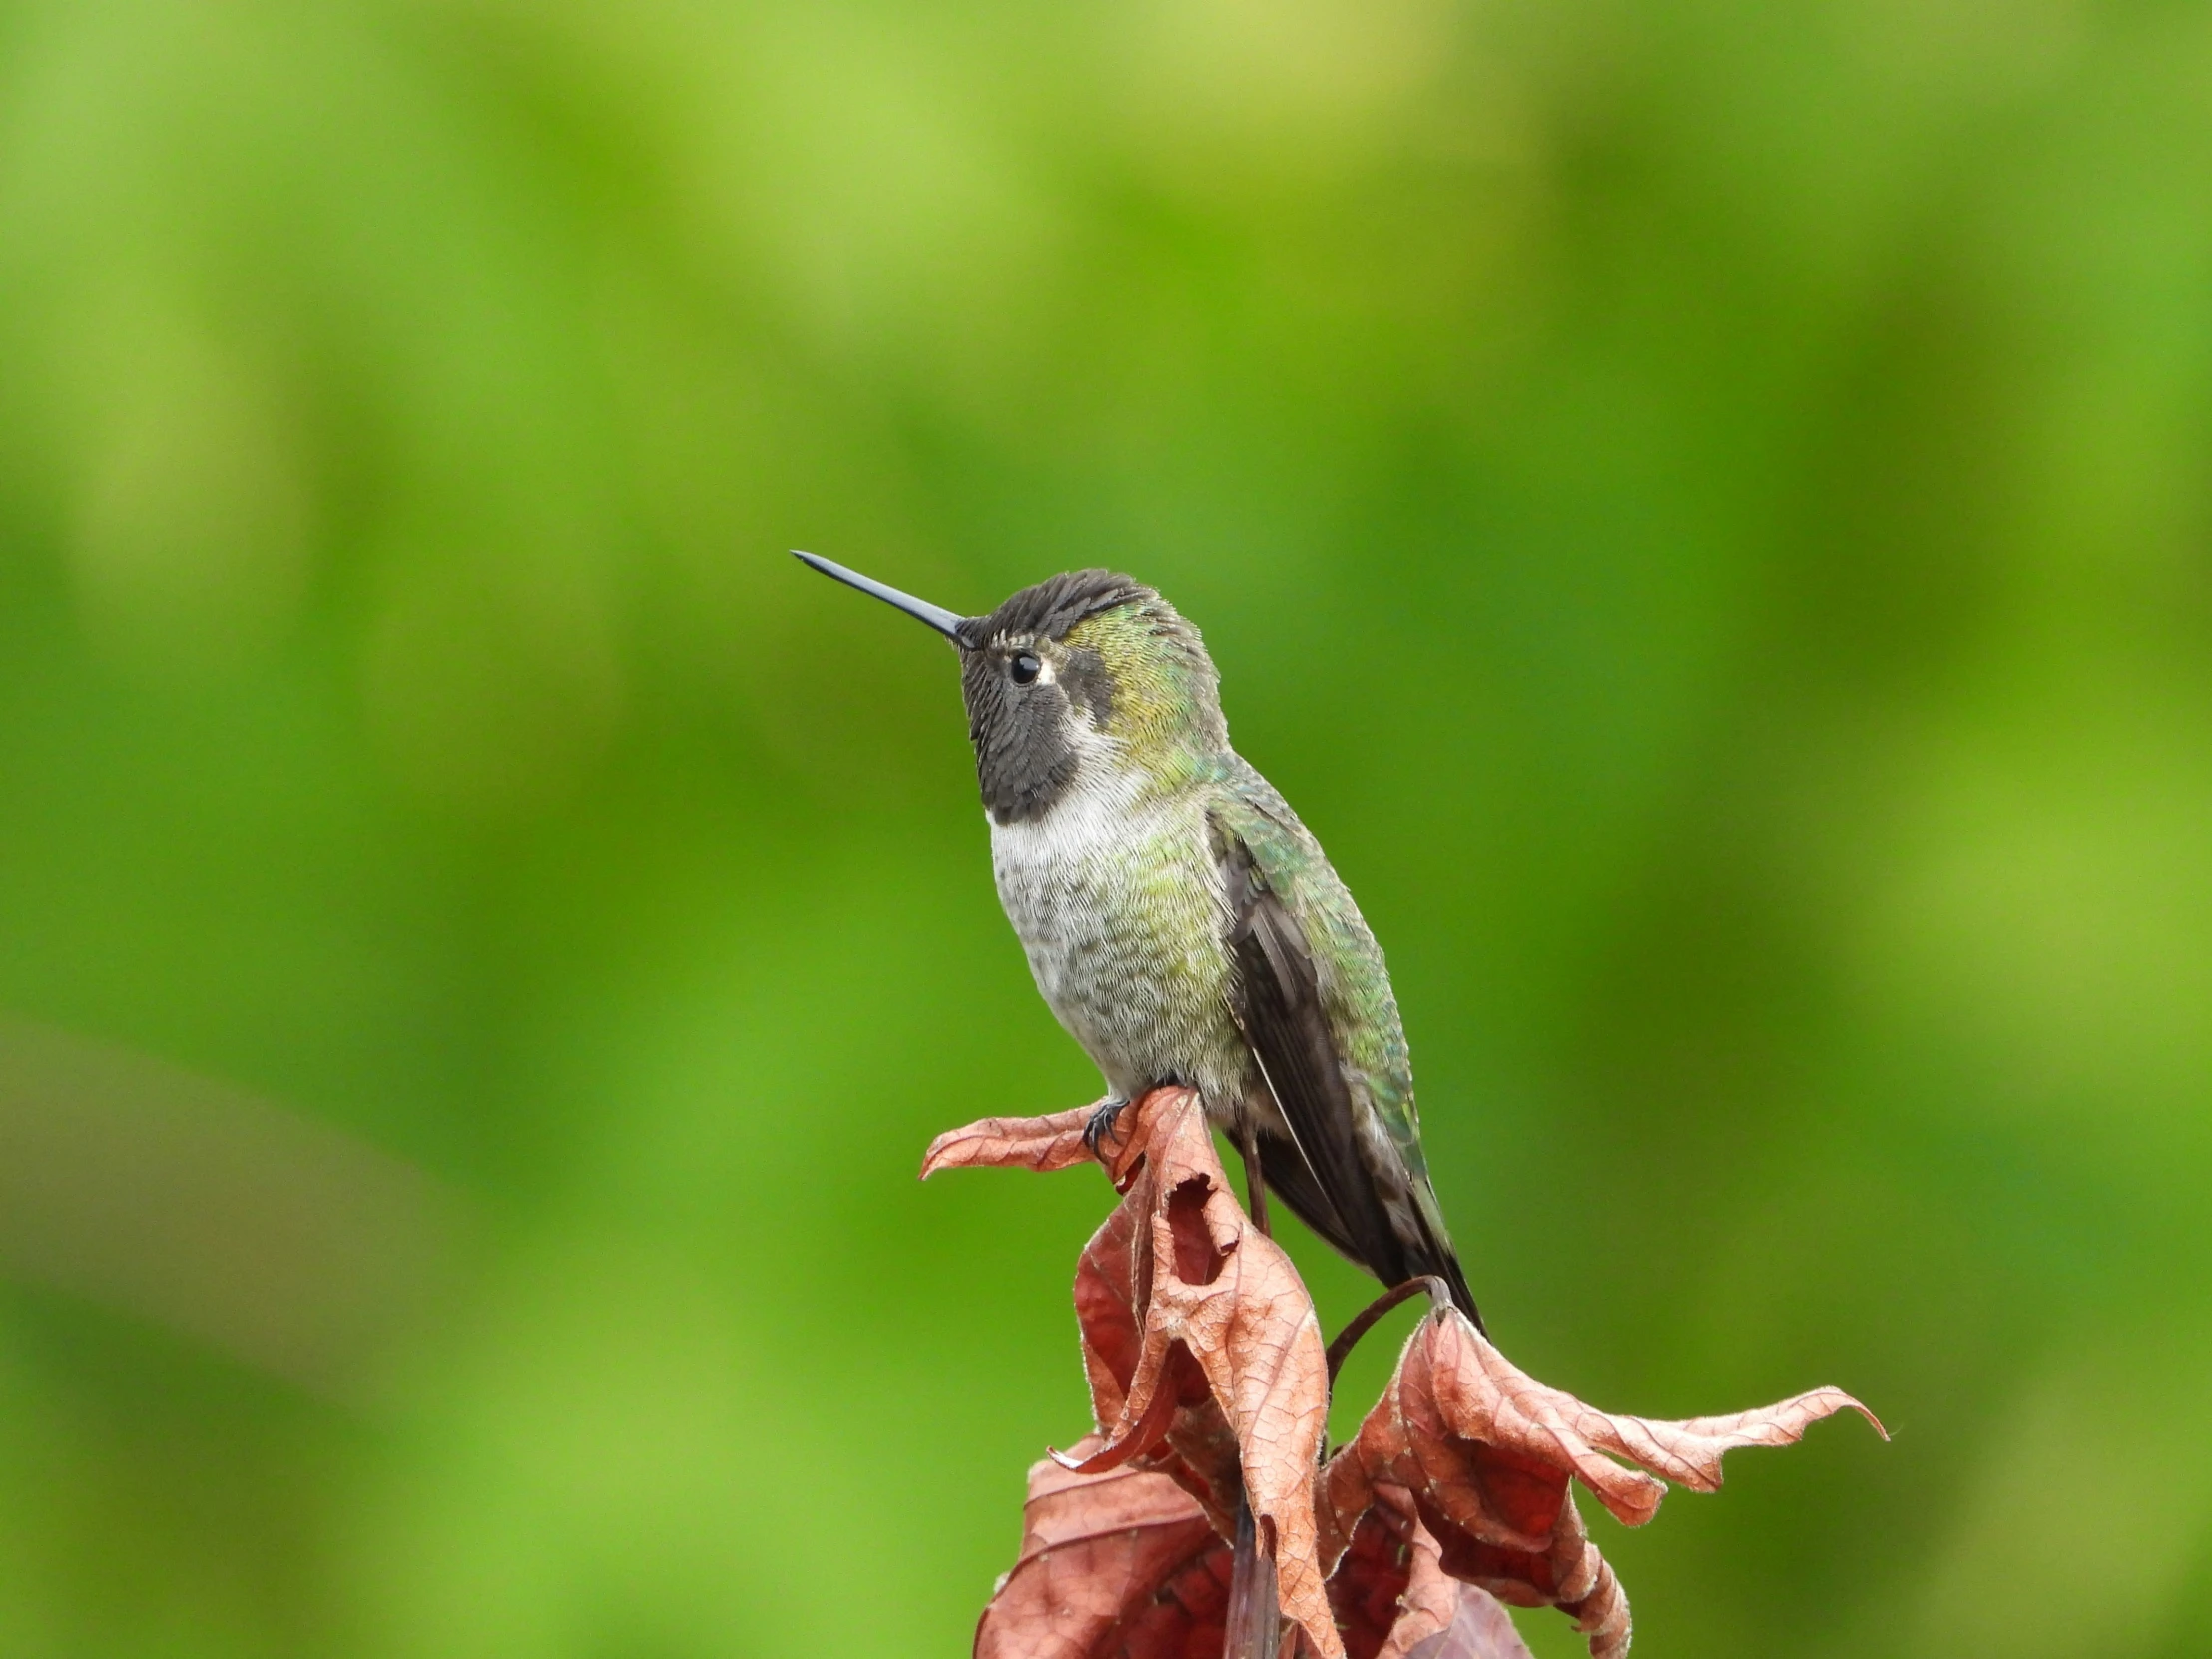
(1086, 676)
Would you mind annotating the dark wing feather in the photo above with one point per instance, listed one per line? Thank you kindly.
(1275, 996)
(1289, 1177)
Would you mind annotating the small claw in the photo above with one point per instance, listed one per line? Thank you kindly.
(1101, 1127)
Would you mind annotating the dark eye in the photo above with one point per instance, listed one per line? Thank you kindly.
(1024, 667)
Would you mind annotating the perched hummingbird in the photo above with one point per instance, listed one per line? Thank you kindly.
(1180, 920)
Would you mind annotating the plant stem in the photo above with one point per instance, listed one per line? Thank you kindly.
(1362, 1322)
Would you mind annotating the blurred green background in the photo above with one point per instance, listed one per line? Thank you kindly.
(1704, 507)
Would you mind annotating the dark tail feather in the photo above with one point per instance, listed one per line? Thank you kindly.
(1446, 1267)
(1429, 1252)
(1290, 1181)
(1432, 1253)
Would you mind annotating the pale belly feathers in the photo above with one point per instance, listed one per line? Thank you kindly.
(1120, 907)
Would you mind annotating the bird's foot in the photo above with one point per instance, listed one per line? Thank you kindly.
(1100, 1129)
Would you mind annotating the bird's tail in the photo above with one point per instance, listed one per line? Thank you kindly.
(1432, 1253)
(1391, 1244)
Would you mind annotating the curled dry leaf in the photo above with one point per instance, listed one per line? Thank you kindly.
(1204, 1351)
(1208, 1380)
(1487, 1452)
(1121, 1563)
(1186, 1299)
(1394, 1600)
(1481, 1628)
(1046, 1142)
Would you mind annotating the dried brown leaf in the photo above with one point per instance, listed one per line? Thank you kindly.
(1048, 1143)
(1181, 1299)
(1394, 1600)
(1120, 1566)
(1208, 1380)
(1481, 1629)
(1487, 1452)
(1570, 1575)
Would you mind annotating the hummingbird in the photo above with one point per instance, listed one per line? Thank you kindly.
(1180, 919)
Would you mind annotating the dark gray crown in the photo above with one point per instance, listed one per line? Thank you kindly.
(1049, 608)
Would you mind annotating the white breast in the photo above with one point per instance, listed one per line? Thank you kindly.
(1116, 904)
(1096, 817)
(1058, 873)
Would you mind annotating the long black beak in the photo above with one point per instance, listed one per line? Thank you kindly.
(943, 621)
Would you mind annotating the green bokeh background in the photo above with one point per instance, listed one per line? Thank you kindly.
(1705, 508)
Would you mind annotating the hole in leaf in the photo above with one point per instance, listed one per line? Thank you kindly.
(1197, 1260)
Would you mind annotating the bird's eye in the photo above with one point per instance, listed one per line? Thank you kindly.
(1024, 667)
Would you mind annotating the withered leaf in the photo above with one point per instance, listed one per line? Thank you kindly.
(1046, 1142)
(1394, 1600)
(1487, 1452)
(1481, 1628)
(1181, 1299)
(1120, 1566)
(1202, 1344)
(1208, 1380)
